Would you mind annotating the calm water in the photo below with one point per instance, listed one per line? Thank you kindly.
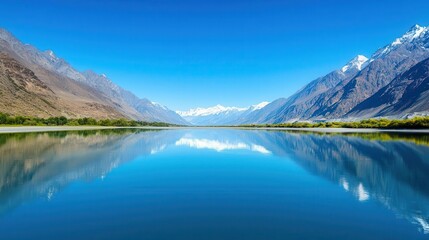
(213, 184)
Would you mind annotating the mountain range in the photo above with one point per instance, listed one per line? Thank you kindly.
(392, 83)
(38, 83)
(219, 115)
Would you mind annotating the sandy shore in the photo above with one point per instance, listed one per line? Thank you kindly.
(24, 129)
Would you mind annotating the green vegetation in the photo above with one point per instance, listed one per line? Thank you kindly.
(4, 137)
(382, 123)
(6, 119)
(416, 138)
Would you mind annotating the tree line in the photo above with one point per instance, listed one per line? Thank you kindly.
(6, 119)
(382, 123)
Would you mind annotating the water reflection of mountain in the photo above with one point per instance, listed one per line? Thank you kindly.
(40, 164)
(390, 168)
(394, 172)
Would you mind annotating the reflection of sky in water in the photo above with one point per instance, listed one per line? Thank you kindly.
(393, 173)
(220, 146)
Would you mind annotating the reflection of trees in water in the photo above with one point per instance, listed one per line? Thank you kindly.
(40, 164)
(391, 168)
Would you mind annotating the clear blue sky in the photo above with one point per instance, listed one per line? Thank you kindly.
(191, 53)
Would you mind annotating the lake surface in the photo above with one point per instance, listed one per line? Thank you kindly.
(213, 184)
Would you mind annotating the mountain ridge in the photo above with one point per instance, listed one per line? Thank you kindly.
(219, 115)
(339, 94)
(57, 73)
(362, 88)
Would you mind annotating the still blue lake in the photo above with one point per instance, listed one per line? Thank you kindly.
(213, 184)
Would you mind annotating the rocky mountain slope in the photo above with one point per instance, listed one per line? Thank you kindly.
(296, 107)
(338, 94)
(81, 94)
(408, 93)
(23, 92)
(392, 83)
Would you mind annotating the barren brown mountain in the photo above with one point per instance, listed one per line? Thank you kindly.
(69, 92)
(24, 93)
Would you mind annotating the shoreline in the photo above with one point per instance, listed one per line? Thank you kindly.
(28, 129)
(349, 130)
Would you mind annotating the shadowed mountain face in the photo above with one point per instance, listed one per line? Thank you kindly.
(385, 65)
(387, 168)
(407, 93)
(352, 93)
(79, 94)
(297, 106)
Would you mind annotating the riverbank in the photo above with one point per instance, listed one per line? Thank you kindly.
(24, 129)
(375, 123)
(344, 130)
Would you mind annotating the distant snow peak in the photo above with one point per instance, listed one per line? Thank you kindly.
(259, 106)
(218, 109)
(209, 111)
(357, 62)
(416, 33)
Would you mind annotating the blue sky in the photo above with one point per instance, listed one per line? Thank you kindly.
(191, 53)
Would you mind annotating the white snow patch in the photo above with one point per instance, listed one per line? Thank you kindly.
(259, 106)
(358, 63)
(209, 111)
(218, 109)
(415, 33)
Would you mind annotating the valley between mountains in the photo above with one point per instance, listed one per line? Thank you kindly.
(392, 83)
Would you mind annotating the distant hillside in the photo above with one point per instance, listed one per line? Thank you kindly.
(76, 94)
(23, 93)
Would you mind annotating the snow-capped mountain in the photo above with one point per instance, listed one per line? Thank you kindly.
(358, 63)
(296, 106)
(340, 93)
(219, 115)
(415, 34)
(138, 108)
(258, 106)
(215, 110)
